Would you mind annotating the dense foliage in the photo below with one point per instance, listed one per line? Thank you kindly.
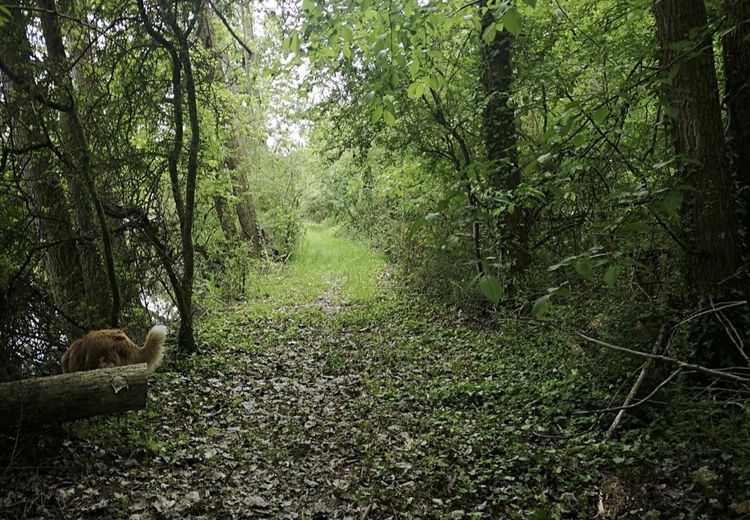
(538, 176)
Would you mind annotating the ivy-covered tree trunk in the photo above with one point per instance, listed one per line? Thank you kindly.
(225, 220)
(244, 206)
(77, 149)
(709, 210)
(500, 133)
(736, 50)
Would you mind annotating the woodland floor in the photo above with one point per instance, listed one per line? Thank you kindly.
(327, 394)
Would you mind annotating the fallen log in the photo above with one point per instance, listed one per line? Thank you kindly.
(65, 397)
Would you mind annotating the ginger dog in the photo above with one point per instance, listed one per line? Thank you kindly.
(112, 348)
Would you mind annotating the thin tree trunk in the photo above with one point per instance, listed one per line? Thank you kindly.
(247, 147)
(47, 197)
(186, 336)
(500, 135)
(226, 222)
(77, 143)
(709, 211)
(183, 92)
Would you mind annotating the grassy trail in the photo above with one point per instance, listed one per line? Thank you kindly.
(326, 395)
(324, 265)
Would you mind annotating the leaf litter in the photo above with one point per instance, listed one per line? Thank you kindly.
(329, 411)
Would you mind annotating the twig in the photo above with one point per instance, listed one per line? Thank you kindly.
(713, 308)
(226, 24)
(709, 310)
(734, 336)
(635, 404)
(682, 364)
(15, 446)
(641, 377)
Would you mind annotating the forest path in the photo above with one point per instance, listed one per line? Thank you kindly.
(326, 270)
(327, 394)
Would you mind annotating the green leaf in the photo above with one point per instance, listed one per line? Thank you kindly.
(660, 165)
(638, 227)
(610, 276)
(346, 34)
(671, 203)
(308, 5)
(489, 34)
(544, 159)
(491, 288)
(413, 68)
(541, 306)
(512, 21)
(585, 268)
(451, 243)
(294, 42)
(416, 225)
(559, 291)
(377, 114)
(389, 118)
(432, 217)
(579, 140)
(530, 167)
(415, 90)
(531, 3)
(600, 115)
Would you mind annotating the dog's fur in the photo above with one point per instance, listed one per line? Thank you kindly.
(112, 348)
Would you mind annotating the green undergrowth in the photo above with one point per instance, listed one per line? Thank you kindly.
(338, 389)
(489, 414)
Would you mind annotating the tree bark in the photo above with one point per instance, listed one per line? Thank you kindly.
(500, 135)
(46, 193)
(72, 396)
(736, 51)
(709, 210)
(77, 143)
(245, 206)
(237, 148)
(226, 222)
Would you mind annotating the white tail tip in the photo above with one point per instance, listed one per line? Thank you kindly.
(161, 330)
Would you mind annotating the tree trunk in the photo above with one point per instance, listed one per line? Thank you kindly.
(245, 206)
(736, 50)
(237, 148)
(77, 144)
(500, 136)
(47, 196)
(71, 396)
(249, 146)
(709, 210)
(175, 43)
(226, 222)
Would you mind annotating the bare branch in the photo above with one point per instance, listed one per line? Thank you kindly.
(226, 24)
(682, 364)
(641, 377)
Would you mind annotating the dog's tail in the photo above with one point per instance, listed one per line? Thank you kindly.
(153, 350)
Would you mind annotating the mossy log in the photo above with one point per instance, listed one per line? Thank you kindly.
(65, 397)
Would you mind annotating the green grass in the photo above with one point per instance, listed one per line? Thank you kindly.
(323, 266)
